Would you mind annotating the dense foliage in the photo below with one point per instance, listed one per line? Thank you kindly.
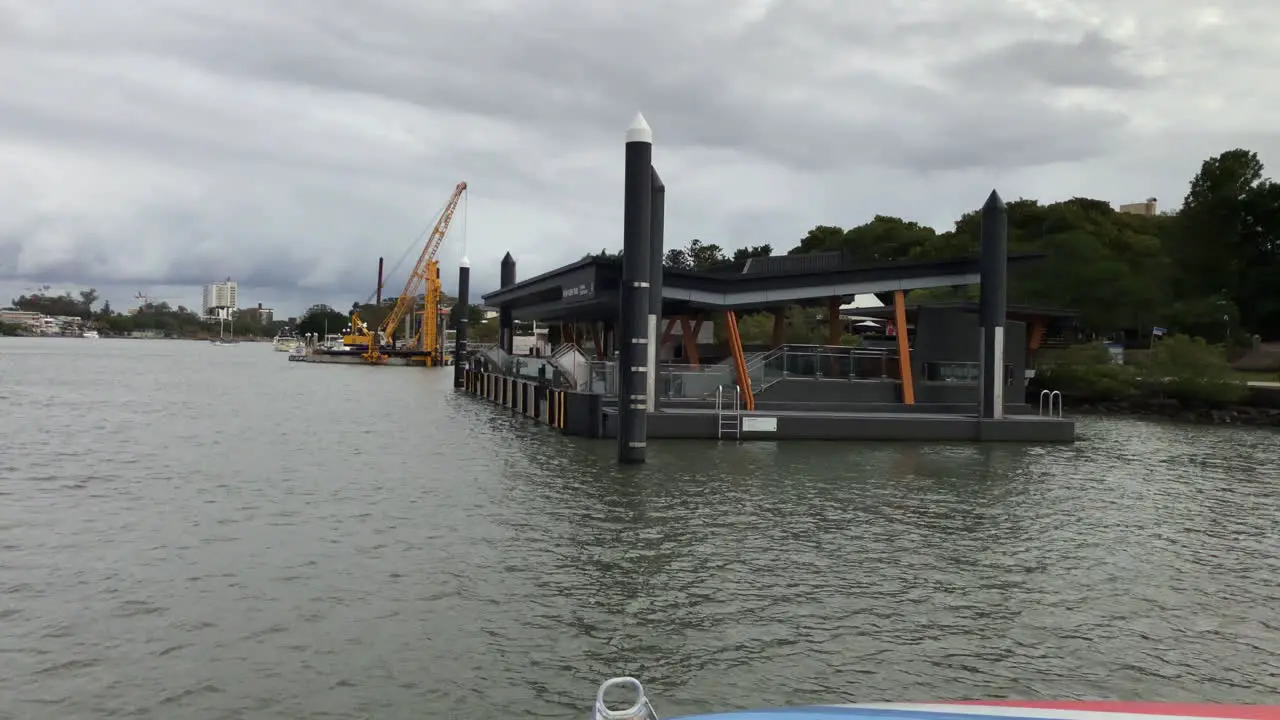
(66, 304)
(1181, 368)
(320, 319)
(159, 318)
(1210, 269)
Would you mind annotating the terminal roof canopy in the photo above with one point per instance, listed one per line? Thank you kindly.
(588, 288)
(1023, 313)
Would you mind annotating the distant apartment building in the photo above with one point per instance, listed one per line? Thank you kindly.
(38, 324)
(264, 315)
(1143, 208)
(20, 317)
(220, 299)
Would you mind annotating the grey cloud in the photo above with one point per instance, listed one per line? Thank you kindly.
(537, 72)
(1093, 61)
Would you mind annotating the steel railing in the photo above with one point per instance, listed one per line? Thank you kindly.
(1050, 395)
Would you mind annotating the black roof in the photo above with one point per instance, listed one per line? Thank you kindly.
(589, 286)
(1042, 311)
(785, 264)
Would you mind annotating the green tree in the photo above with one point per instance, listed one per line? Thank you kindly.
(743, 254)
(697, 255)
(87, 299)
(604, 254)
(319, 319)
(475, 315)
(485, 331)
(41, 302)
(884, 239)
(1226, 242)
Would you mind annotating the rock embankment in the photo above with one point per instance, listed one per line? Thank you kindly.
(1235, 415)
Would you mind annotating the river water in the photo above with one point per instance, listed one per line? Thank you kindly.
(190, 531)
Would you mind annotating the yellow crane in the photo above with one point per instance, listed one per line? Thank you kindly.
(424, 277)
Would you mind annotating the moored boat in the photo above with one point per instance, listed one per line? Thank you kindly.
(641, 709)
(285, 341)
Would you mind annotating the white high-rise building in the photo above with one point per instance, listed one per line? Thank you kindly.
(219, 299)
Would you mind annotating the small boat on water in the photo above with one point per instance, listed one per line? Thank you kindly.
(222, 340)
(641, 709)
(298, 354)
(285, 341)
(90, 334)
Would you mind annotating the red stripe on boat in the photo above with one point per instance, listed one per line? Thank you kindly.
(1198, 710)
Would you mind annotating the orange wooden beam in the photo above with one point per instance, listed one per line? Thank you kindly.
(739, 361)
(1037, 332)
(690, 340)
(904, 348)
(668, 332)
(834, 329)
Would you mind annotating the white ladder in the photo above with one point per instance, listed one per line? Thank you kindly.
(728, 420)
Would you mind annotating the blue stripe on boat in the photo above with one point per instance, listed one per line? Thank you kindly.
(818, 712)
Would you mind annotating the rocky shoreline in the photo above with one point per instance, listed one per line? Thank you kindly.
(1173, 410)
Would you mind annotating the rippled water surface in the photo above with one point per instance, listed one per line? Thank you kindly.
(189, 531)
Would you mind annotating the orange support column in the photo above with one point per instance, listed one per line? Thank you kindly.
(835, 331)
(689, 336)
(668, 333)
(1038, 330)
(779, 327)
(904, 348)
(739, 360)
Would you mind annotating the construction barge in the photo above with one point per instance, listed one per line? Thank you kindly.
(425, 337)
(393, 358)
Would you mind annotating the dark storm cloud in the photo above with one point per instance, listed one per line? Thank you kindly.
(570, 69)
(1093, 61)
(289, 144)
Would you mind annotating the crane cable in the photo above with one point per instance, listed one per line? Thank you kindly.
(466, 202)
(416, 242)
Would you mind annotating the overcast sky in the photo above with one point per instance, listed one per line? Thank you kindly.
(156, 145)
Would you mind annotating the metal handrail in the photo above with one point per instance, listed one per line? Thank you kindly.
(1050, 395)
(766, 356)
(565, 348)
(570, 373)
(840, 352)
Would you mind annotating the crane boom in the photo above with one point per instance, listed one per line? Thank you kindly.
(421, 273)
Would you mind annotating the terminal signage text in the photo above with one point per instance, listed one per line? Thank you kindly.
(578, 292)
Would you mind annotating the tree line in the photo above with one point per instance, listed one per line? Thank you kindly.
(1210, 268)
(152, 317)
